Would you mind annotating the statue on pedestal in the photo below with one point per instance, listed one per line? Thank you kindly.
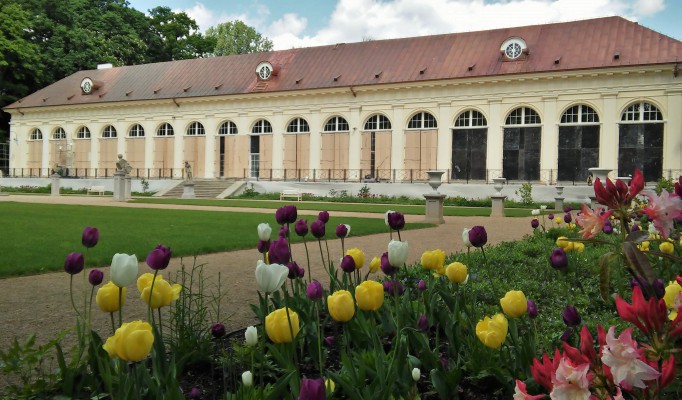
(188, 171)
(122, 165)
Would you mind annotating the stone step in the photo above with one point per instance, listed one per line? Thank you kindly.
(207, 189)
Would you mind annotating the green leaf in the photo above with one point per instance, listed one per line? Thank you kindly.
(639, 261)
(604, 275)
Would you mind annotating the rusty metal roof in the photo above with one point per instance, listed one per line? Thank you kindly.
(587, 44)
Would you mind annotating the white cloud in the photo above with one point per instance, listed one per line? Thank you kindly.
(202, 15)
(648, 7)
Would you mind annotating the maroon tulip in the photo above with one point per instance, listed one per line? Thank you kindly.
(678, 186)
(95, 277)
(634, 228)
(317, 229)
(607, 229)
(312, 389)
(284, 232)
(396, 220)
(341, 231)
(571, 316)
(532, 309)
(218, 330)
(478, 236)
(279, 252)
(568, 218)
(286, 215)
(558, 259)
(301, 227)
(314, 291)
(323, 216)
(568, 209)
(534, 223)
(423, 323)
(263, 246)
(386, 266)
(567, 332)
(330, 340)
(294, 270)
(421, 285)
(90, 237)
(159, 257)
(348, 264)
(550, 216)
(391, 287)
(74, 263)
(195, 393)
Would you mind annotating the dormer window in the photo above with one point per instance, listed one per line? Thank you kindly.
(513, 48)
(264, 70)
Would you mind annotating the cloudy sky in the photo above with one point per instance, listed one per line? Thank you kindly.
(304, 23)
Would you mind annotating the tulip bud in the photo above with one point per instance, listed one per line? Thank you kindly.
(90, 237)
(607, 229)
(550, 217)
(571, 316)
(558, 259)
(317, 229)
(123, 269)
(465, 237)
(301, 227)
(532, 309)
(329, 340)
(284, 232)
(159, 257)
(535, 212)
(218, 330)
(96, 276)
(478, 236)
(323, 216)
(247, 378)
(397, 253)
(279, 252)
(314, 291)
(568, 218)
(543, 207)
(251, 336)
(567, 334)
(270, 277)
(386, 217)
(396, 220)
(286, 215)
(634, 228)
(421, 285)
(195, 393)
(263, 246)
(348, 264)
(659, 288)
(423, 323)
(294, 270)
(312, 389)
(264, 232)
(416, 374)
(342, 231)
(534, 223)
(568, 209)
(386, 266)
(74, 263)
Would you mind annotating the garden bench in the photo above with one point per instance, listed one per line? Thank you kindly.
(291, 193)
(96, 189)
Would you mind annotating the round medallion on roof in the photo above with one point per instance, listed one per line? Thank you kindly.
(264, 70)
(86, 85)
(513, 48)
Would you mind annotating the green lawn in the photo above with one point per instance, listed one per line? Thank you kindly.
(333, 206)
(37, 237)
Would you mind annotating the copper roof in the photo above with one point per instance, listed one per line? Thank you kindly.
(578, 45)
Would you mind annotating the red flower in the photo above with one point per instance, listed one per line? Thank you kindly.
(544, 371)
(668, 371)
(646, 315)
(618, 195)
(591, 222)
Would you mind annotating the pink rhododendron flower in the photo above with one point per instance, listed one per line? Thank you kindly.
(662, 209)
(520, 392)
(622, 356)
(591, 222)
(571, 381)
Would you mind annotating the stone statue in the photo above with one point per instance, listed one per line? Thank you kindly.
(123, 165)
(188, 171)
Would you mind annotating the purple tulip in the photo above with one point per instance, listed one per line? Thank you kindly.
(314, 291)
(423, 323)
(568, 218)
(159, 257)
(323, 216)
(90, 237)
(95, 277)
(607, 229)
(534, 223)
(294, 270)
(444, 361)
(550, 216)
(391, 287)
(195, 393)
(218, 330)
(558, 259)
(74, 263)
(279, 252)
(312, 389)
(317, 229)
(478, 236)
(263, 246)
(567, 334)
(284, 232)
(341, 231)
(634, 228)
(386, 266)
(330, 340)
(532, 309)
(348, 264)
(568, 209)
(659, 288)
(301, 227)
(396, 220)
(421, 285)
(286, 215)
(571, 316)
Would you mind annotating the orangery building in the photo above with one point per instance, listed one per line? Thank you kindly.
(538, 103)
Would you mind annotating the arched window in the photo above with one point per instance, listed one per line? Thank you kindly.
(422, 120)
(136, 131)
(36, 134)
(59, 133)
(262, 126)
(165, 129)
(578, 143)
(83, 133)
(109, 132)
(195, 129)
(336, 124)
(640, 143)
(521, 145)
(227, 128)
(469, 146)
(298, 125)
(377, 122)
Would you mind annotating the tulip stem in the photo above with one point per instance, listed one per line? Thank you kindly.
(89, 314)
(160, 324)
(113, 324)
(319, 337)
(488, 273)
(327, 245)
(307, 257)
(150, 313)
(343, 248)
(398, 230)
(120, 306)
(72, 302)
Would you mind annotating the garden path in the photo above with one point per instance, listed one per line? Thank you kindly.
(40, 303)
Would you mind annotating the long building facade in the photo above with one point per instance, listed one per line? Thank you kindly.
(539, 103)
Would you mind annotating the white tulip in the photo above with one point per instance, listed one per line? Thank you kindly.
(386, 216)
(465, 237)
(348, 230)
(123, 269)
(251, 336)
(264, 231)
(416, 374)
(247, 378)
(270, 277)
(397, 253)
(535, 212)
(543, 207)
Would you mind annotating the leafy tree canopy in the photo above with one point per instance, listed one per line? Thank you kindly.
(235, 37)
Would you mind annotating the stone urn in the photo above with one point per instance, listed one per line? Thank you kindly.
(600, 173)
(559, 191)
(435, 179)
(498, 184)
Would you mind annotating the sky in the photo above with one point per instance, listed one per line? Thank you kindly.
(306, 23)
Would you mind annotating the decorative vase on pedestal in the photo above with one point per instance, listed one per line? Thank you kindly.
(601, 173)
(498, 184)
(435, 179)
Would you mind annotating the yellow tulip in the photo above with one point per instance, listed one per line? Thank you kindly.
(492, 332)
(644, 246)
(277, 325)
(107, 297)
(163, 292)
(666, 247)
(579, 247)
(369, 295)
(457, 272)
(374, 265)
(358, 257)
(341, 306)
(131, 342)
(433, 259)
(671, 292)
(514, 303)
(562, 241)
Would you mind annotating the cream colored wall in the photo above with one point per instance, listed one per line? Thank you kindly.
(608, 91)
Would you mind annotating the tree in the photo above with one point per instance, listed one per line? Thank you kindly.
(178, 36)
(235, 37)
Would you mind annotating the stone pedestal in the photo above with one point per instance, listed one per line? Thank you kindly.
(498, 206)
(188, 191)
(119, 186)
(128, 186)
(54, 185)
(593, 202)
(559, 203)
(434, 208)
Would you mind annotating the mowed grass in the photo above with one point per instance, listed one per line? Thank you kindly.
(332, 206)
(38, 237)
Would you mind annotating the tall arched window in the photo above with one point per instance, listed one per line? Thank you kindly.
(298, 125)
(521, 145)
(109, 132)
(640, 141)
(165, 129)
(59, 133)
(227, 128)
(578, 143)
(261, 126)
(136, 131)
(83, 133)
(375, 157)
(336, 124)
(36, 134)
(469, 146)
(422, 120)
(377, 122)
(195, 129)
